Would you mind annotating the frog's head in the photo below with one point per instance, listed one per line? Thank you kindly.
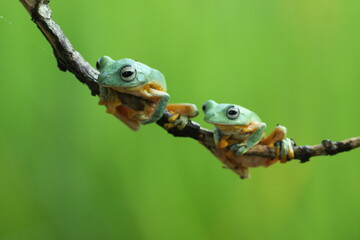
(131, 90)
(127, 74)
(224, 113)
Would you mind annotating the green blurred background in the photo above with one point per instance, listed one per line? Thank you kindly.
(70, 171)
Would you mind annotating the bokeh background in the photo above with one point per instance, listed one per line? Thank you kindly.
(70, 171)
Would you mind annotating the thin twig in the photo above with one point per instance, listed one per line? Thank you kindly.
(69, 59)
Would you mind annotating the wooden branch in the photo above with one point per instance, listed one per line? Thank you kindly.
(69, 59)
(302, 153)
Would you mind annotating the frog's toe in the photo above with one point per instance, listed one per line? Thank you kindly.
(177, 120)
(290, 150)
(174, 118)
(284, 150)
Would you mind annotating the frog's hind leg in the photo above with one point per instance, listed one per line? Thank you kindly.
(242, 171)
(270, 162)
(182, 112)
(283, 146)
(284, 150)
(186, 109)
(123, 113)
(278, 134)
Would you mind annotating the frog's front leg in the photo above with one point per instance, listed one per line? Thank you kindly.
(252, 140)
(220, 139)
(162, 98)
(283, 146)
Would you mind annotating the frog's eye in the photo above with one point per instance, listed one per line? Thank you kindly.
(128, 73)
(232, 112)
(98, 64)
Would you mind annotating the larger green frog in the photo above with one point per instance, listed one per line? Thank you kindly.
(146, 86)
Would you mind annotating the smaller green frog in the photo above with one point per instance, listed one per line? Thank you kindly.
(145, 87)
(237, 129)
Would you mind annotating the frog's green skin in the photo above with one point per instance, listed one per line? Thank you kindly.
(218, 114)
(131, 77)
(236, 130)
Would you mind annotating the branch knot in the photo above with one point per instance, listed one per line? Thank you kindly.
(330, 147)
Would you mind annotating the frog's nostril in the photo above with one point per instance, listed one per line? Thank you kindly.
(98, 64)
(204, 107)
(106, 59)
(103, 61)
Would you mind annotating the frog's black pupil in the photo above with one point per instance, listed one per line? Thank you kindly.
(204, 107)
(232, 112)
(98, 65)
(126, 74)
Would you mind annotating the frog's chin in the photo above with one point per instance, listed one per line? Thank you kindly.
(230, 129)
(226, 127)
(137, 103)
(222, 124)
(133, 93)
(142, 100)
(134, 89)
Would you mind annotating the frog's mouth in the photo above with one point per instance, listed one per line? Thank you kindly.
(229, 127)
(133, 90)
(144, 104)
(139, 107)
(139, 93)
(137, 103)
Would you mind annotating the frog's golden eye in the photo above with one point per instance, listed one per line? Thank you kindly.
(232, 112)
(128, 73)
